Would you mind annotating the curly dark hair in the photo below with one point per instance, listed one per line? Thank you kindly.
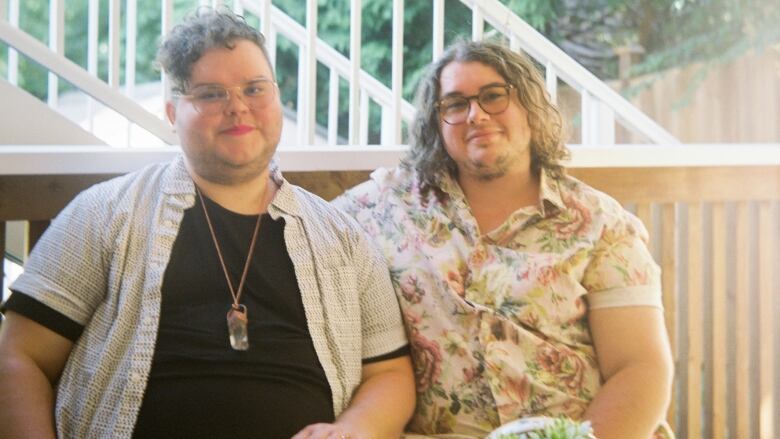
(427, 154)
(203, 29)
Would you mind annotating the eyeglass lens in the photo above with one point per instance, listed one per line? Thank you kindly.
(213, 99)
(493, 100)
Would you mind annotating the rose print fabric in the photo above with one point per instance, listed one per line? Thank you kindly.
(497, 319)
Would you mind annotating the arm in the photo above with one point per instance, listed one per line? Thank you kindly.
(636, 364)
(382, 404)
(31, 360)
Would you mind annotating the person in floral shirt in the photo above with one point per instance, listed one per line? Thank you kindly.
(525, 292)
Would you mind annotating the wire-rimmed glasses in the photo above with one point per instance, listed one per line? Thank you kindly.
(213, 99)
(493, 99)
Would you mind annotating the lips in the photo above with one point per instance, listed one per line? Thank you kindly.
(238, 130)
(481, 134)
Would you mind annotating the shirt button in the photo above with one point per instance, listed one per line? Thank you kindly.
(135, 377)
(148, 320)
(168, 223)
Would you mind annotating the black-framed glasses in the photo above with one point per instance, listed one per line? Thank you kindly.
(493, 99)
(212, 99)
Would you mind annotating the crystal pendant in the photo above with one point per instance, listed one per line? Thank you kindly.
(237, 327)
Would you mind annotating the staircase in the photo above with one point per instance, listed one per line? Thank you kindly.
(601, 108)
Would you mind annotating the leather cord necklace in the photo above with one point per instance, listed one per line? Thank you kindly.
(236, 316)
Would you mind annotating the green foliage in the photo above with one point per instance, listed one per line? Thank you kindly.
(560, 428)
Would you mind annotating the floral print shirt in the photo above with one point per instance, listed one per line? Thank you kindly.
(498, 321)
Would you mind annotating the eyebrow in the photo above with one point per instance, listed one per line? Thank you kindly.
(216, 84)
(457, 93)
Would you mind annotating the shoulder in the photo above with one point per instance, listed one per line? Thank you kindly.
(602, 209)
(384, 188)
(134, 184)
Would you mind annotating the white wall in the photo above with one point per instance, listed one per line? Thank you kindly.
(24, 120)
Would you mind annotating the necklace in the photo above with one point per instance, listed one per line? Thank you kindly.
(236, 316)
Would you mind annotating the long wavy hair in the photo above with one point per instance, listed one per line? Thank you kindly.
(427, 154)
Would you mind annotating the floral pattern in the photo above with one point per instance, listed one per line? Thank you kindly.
(497, 320)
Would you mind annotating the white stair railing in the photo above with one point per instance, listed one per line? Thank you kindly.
(71, 72)
(601, 107)
(600, 104)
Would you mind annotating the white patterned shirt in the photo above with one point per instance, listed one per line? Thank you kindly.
(101, 264)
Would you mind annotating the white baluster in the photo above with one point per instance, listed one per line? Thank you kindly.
(93, 30)
(438, 28)
(310, 88)
(13, 55)
(131, 30)
(551, 82)
(477, 23)
(56, 44)
(333, 107)
(114, 28)
(365, 108)
(398, 72)
(355, 110)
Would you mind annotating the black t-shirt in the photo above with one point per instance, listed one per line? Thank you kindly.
(198, 385)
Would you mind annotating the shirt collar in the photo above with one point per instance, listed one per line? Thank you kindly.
(177, 181)
(549, 191)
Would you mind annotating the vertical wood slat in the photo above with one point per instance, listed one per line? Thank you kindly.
(354, 80)
(694, 317)
(766, 267)
(644, 212)
(364, 118)
(742, 331)
(35, 231)
(719, 414)
(669, 285)
(2, 258)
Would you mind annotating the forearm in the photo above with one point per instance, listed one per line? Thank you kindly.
(631, 403)
(26, 401)
(381, 407)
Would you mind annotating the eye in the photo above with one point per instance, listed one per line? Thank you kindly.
(209, 94)
(492, 95)
(257, 88)
(453, 105)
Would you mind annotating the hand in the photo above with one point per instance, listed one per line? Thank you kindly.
(327, 431)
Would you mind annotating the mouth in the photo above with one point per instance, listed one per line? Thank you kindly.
(481, 135)
(238, 130)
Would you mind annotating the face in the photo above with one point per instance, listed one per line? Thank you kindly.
(236, 144)
(485, 146)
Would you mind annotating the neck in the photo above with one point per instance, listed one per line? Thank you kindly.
(250, 197)
(493, 201)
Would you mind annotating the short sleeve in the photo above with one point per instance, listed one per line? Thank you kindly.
(66, 269)
(622, 271)
(382, 327)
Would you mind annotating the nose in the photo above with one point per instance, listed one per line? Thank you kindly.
(476, 113)
(235, 102)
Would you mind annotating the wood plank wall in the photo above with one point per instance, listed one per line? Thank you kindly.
(715, 232)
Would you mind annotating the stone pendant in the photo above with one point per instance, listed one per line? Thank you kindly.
(237, 327)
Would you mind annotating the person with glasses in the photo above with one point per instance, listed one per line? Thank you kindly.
(206, 297)
(525, 292)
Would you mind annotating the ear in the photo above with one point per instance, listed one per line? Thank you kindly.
(170, 111)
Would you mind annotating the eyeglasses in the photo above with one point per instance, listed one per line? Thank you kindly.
(493, 99)
(210, 100)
